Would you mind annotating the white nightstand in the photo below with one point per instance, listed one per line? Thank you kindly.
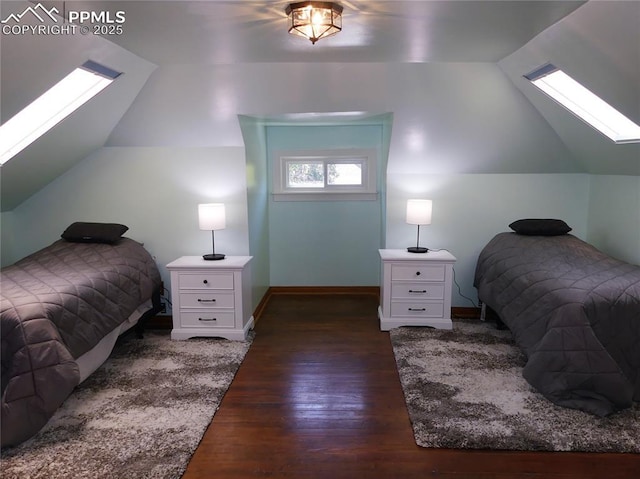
(211, 298)
(416, 289)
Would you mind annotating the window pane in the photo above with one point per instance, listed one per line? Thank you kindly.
(308, 174)
(52, 107)
(585, 104)
(344, 174)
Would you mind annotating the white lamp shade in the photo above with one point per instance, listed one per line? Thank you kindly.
(419, 212)
(211, 216)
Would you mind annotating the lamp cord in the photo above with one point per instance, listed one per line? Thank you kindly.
(456, 282)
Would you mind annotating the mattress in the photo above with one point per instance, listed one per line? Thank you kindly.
(56, 306)
(574, 311)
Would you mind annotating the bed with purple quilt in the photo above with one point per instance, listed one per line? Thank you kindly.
(573, 310)
(62, 309)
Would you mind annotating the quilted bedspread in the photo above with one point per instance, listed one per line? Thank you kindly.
(574, 311)
(56, 305)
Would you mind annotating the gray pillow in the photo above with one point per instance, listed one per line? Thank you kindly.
(81, 232)
(540, 227)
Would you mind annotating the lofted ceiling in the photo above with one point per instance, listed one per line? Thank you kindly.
(248, 31)
(169, 33)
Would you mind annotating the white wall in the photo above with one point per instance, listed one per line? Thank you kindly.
(598, 45)
(32, 63)
(447, 117)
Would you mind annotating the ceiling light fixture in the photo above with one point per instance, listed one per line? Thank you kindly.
(314, 20)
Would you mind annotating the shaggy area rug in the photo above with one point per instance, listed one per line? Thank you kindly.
(142, 414)
(464, 390)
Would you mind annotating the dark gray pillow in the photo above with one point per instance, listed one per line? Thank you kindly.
(81, 232)
(540, 227)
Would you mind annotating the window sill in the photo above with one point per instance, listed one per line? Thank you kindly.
(324, 196)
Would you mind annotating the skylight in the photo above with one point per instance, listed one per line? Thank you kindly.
(53, 106)
(585, 104)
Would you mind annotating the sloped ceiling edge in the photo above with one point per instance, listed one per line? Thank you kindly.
(30, 65)
(599, 45)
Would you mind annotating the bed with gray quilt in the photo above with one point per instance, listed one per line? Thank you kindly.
(573, 310)
(60, 308)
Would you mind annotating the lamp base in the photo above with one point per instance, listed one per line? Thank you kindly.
(212, 257)
(417, 249)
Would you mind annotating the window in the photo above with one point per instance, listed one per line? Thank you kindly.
(52, 107)
(585, 104)
(325, 175)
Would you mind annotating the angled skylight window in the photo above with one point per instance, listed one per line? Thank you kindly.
(53, 106)
(585, 104)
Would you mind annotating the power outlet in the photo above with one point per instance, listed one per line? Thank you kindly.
(163, 307)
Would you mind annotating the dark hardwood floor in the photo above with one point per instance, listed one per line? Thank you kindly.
(318, 396)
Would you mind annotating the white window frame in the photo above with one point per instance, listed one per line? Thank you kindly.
(367, 191)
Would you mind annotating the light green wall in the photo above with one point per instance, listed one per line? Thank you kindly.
(154, 191)
(325, 243)
(468, 210)
(330, 243)
(7, 237)
(254, 135)
(614, 216)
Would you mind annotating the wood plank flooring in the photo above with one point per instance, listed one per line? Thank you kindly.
(318, 396)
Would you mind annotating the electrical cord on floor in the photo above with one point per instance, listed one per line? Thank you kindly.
(165, 296)
(455, 281)
(460, 291)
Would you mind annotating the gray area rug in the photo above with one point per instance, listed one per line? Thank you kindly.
(464, 390)
(141, 415)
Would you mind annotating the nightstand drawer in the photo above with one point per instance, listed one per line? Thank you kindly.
(425, 310)
(417, 290)
(206, 299)
(417, 272)
(206, 281)
(211, 298)
(207, 319)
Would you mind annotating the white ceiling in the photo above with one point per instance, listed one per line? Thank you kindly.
(248, 31)
(196, 34)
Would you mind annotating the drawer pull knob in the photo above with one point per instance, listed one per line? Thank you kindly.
(207, 319)
(206, 300)
(417, 273)
(417, 291)
(417, 309)
(205, 281)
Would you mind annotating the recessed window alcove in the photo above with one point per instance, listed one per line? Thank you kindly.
(323, 240)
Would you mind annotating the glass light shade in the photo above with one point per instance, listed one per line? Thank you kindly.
(211, 216)
(419, 212)
(314, 20)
